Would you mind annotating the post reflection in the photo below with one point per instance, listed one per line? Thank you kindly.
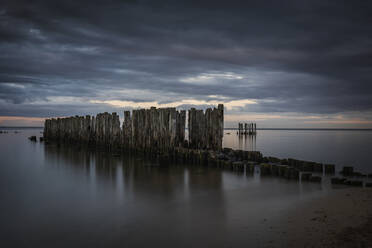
(250, 142)
(189, 194)
(245, 142)
(134, 175)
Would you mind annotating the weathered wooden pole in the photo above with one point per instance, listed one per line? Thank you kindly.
(127, 130)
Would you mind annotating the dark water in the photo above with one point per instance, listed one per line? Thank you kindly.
(67, 197)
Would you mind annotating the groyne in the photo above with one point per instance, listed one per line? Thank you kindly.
(159, 133)
(147, 129)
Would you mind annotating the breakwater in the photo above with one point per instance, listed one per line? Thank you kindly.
(160, 135)
(147, 129)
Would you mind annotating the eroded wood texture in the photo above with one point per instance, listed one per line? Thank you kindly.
(149, 129)
(206, 129)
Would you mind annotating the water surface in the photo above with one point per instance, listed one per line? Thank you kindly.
(62, 196)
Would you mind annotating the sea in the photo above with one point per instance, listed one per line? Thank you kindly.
(65, 196)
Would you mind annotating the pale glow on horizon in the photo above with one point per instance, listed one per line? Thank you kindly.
(262, 117)
(21, 121)
(231, 120)
(228, 104)
(350, 121)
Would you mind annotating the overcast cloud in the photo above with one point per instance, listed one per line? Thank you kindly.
(291, 63)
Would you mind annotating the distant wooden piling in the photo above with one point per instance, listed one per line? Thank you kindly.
(246, 129)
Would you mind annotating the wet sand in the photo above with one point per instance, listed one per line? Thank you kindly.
(341, 218)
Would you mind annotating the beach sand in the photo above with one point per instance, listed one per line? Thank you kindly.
(340, 218)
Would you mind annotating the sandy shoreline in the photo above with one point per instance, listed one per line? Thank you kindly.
(341, 218)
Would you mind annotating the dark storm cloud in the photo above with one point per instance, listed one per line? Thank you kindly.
(291, 56)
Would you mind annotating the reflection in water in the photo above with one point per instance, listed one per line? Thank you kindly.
(76, 197)
(241, 142)
(185, 194)
(250, 142)
(128, 174)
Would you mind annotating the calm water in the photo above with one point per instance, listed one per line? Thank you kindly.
(66, 197)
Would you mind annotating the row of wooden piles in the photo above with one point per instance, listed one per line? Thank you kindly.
(250, 162)
(247, 128)
(271, 166)
(206, 128)
(148, 129)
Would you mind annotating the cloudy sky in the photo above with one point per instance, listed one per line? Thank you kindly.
(279, 63)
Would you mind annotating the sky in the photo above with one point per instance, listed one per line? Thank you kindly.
(277, 63)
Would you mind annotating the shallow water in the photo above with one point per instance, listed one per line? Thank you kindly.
(67, 197)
